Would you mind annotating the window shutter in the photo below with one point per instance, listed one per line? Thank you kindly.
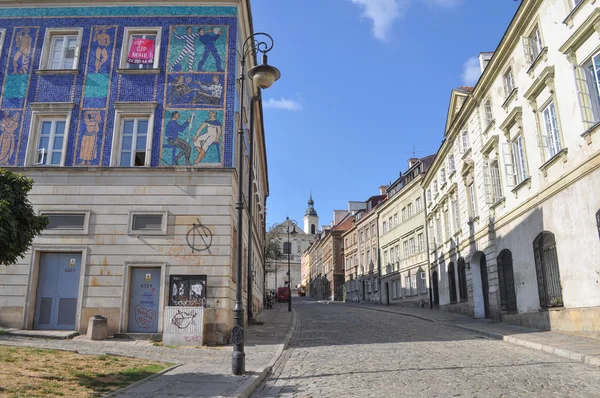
(487, 183)
(528, 48)
(509, 166)
(584, 96)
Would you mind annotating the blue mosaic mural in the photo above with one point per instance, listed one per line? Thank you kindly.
(194, 77)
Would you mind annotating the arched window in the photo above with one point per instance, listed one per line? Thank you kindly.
(312, 229)
(462, 279)
(452, 283)
(546, 267)
(508, 297)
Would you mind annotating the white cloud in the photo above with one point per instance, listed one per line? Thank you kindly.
(283, 103)
(383, 13)
(471, 71)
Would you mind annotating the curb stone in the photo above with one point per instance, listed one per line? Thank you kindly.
(248, 387)
(137, 383)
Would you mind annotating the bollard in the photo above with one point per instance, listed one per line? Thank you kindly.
(97, 328)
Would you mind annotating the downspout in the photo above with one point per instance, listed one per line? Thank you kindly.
(250, 197)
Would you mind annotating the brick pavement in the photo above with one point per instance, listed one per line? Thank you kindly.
(202, 372)
(343, 351)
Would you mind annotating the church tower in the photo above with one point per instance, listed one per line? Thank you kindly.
(311, 219)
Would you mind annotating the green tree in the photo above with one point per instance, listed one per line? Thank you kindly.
(18, 222)
(273, 252)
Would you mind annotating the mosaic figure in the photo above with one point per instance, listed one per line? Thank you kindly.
(88, 150)
(189, 49)
(8, 126)
(212, 136)
(23, 42)
(192, 90)
(179, 89)
(208, 38)
(103, 41)
(173, 130)
(214, 89)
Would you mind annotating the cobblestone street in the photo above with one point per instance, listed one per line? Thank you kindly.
(343, 351)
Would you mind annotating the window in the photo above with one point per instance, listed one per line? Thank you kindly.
(405, 246)
(587, 78)
(421, 241)
(148, 223)
(313, 229)
(132, 140)
(65, 221)
(452, 283)
(547, 270)
(456, 214)
(390, 223)
(411, 244)
(384, 227)
(473, 200)
(413, 284)
(362, 236)
(299, 247)
(532, 45)
(489, 116)
(407, 285)
(462, 280)
(429, 196)
(141, 48)
(550, 140)
(423, 282)
(443, 176)
(506, 279)
(431, 236)
(514, 161)
(509, 84)
(418, 204)
(451, 163)
(438, 224)
(51, 142)
(447, 224)
(61, 49)
(465, 140)
(496, 183)
(404, 214)
(398, 253)
(409, 209)
(396, 220)
(392, 255)
(287, 247)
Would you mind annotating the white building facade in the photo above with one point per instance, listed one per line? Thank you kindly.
(513, 221)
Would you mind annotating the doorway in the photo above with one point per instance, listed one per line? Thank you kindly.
(57, 291)
(144, 299)
(436, 292)
(481, 296)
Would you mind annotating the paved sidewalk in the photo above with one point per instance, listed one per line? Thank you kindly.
(576, 347)
(199, 372)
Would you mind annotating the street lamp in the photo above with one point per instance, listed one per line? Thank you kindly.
(289, 250)
(263, 76)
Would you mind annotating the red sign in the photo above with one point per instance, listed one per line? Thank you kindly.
(141, 52)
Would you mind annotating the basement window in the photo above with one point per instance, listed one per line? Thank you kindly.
(69, 223)
(148, 223)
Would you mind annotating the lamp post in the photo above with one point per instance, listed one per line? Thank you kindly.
(289, 250)
(263, 76)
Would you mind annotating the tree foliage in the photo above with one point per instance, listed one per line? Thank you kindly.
(18, 222)
(273, 251)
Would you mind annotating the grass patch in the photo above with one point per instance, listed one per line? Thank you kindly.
(34, 372)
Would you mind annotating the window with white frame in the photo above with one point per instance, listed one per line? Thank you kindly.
(515, 162)
(385, 258)
(405, 246)
(390, 222)
(532, 45)
(403, 214)
(464, 135)
(447, 224)
(367, 233)
(428, 196)
(442, 176)
(384, 227)
(413, 282)
(438, 224)
(133, 142)
(489, 115)
(398, 253)
(396, 220)
(472, 200)
(148, 223)
(456, 214)
(493, 185)
(550, 138)
(409, 210)
(423, 282)
(141, 48)
(392, 255)
(51, 141)
(411, 245)
(451, 163)
(435, 188)
(61, 49)
(587, 77)
(509, 82)
(421, 241)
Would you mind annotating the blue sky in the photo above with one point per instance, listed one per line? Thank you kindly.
(363, 81)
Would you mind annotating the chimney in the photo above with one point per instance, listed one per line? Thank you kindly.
(412, 162)
(484, 60)
(382, 189)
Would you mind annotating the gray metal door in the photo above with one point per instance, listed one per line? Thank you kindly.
(144, 300)
(57, 291)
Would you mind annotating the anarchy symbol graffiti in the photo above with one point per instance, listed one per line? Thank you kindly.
(199, 238)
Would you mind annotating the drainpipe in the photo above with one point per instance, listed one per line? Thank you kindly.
(250, 197)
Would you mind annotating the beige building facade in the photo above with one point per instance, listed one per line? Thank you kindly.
(512, 221)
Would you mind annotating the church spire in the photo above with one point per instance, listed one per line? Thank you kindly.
(311, 206)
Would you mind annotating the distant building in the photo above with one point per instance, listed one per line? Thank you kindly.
(513, 212)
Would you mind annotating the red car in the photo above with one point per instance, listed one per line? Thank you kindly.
(283, 294)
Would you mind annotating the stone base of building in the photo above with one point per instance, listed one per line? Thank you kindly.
(461, 308)
(558, 319)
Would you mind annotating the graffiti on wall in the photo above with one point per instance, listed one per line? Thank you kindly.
(187, 290)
